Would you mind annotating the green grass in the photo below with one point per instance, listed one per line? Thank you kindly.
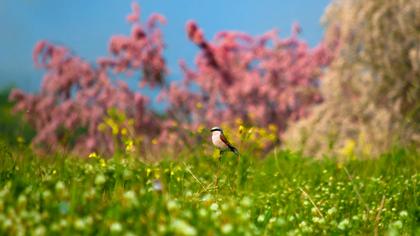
(283, 193)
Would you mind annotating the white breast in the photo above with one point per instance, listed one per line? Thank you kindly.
(215, 138)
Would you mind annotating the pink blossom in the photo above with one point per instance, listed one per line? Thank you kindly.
(262, 80)
(135, 14)
(76, 95)
(194, 33)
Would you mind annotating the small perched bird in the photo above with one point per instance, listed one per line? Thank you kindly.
(220, 141)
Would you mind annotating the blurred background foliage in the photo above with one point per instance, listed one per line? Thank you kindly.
(14, 130)
(372, 89)
(370, 92)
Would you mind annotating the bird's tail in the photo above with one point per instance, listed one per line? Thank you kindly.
(234, 150)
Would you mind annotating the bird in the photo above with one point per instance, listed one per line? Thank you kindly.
(219, 140)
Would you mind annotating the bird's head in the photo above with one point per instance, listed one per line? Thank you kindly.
(216, 129)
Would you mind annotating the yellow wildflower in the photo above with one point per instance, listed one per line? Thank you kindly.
(129, 146)
(123, 131)
(348, 149)
(102, 163)
(200, 128)
(241, 129)
(93, 155)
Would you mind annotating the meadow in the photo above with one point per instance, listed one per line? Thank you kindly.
(282, 193)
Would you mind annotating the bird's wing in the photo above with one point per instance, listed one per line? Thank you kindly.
(223, 138)
(232, 148)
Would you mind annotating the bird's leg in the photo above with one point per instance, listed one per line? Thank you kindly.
(216, 184)
(221, 151)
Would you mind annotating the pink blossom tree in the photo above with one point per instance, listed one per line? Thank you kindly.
(75, 95)
(262, 80)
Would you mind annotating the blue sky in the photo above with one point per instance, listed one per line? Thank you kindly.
(86, 26)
